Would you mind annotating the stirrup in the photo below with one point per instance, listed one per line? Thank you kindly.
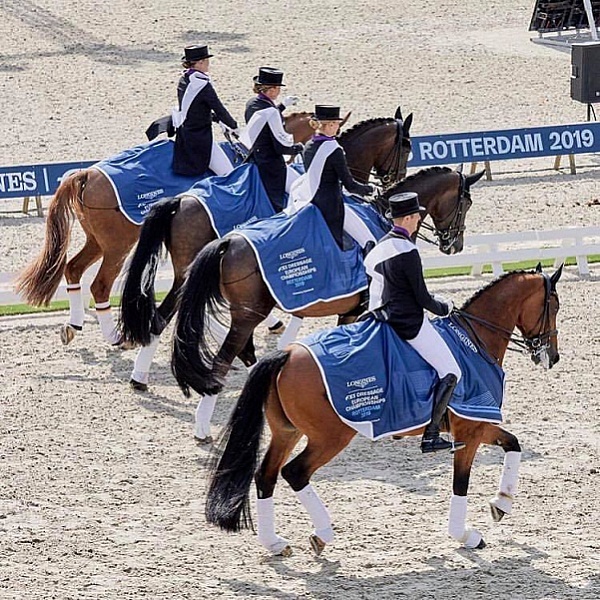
(439, 444)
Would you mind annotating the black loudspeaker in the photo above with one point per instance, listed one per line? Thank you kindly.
(585, 72)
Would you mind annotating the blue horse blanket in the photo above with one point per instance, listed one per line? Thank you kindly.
(142, 175)
(300, 262)
(233, 200)
(379, 385)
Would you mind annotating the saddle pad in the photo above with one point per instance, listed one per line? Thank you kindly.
(142, 175)
(300, 262)
(233, 200)
(379, 385)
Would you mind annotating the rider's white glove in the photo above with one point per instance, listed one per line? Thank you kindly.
(290, 101)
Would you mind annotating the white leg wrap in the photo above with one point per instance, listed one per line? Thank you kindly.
(107, 325)
(290, 333)
(271, 320)
(265, 516)
(204, 412)
(143, 361)
(457, 523)
(217, 331)
(319, 514)
(76, 311)
(508, 482)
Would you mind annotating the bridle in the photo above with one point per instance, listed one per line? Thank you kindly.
(536, 345)
(393, 157)
(447, 236)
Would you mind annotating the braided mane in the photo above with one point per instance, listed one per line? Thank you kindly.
(484, 289)
(363, 125)
(415, 177)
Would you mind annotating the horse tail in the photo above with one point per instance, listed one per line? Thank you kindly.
(200, 298)
(232, 471)
(39, 281)
(138, 302)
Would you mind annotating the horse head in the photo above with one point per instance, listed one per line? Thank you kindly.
(298, 125)
(537, 320)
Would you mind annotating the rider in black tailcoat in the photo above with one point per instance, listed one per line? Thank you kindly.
(195, 149)
(266, 137)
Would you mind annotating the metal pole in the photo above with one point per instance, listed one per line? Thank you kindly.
(590, 17)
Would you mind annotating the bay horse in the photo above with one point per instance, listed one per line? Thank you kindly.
(227, 272)
(184, 226)
(288, 389)
(89, 197)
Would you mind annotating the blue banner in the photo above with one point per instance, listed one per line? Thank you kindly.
(506, 144)
(428, 151)
(36, 180)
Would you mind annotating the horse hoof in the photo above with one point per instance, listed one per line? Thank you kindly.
(126, 345)
(67, 333)
(481, 545)
(497, 513)
(138, 386)
(277, 328)
(203, 441)
(317, 544)
(287, 551)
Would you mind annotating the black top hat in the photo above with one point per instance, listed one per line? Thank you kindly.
(401, 205)
(269, 76)
(327, 113)
(194, 53)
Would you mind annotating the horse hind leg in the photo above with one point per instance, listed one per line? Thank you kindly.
(501, 503)
(283, 441)
(74, 271)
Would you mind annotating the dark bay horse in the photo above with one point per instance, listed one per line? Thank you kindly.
(184, 226)
(226, 272)
(89, 196)
(288, 388)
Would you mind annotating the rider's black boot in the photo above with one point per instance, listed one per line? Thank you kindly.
(431, 441)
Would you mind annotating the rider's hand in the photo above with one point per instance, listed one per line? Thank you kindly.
(446, 301)
(290, 101)
(297, 148)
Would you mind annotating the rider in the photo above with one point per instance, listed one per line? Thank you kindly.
(398, 296)
(326, 172)
(265, 135)
(195, 151)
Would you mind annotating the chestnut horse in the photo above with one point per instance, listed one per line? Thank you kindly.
(184, 226)
(89, 196)
(226, 271)
(289, 388)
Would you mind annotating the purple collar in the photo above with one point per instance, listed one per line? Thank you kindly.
(319, 137)
(264, 97)
(401, 231)
(190, 71)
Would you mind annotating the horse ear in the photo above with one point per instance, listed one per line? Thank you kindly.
(398, 114)
(471, 179)
(345, 119)
(407, 124)
(556, 275)
(538, 268)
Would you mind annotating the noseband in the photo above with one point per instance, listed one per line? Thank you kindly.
(447, 236)
(536, 345)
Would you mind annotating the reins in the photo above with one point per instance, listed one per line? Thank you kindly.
(447, 237)
(533, 345)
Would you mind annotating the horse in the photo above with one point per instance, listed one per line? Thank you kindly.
(183, 225)
(226, 271)
(89, 196)
(288, 388)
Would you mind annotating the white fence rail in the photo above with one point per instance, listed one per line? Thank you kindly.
(495, 249)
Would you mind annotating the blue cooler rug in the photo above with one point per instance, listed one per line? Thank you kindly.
(379, 385)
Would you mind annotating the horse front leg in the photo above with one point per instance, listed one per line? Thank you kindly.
(463, 461)
(501, 503)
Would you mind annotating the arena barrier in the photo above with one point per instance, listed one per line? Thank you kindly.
(495, 249)
(37, 181)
